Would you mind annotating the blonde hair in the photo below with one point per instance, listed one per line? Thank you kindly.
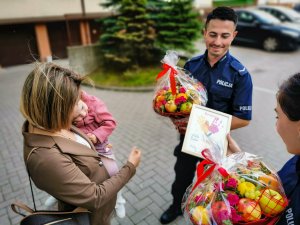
(49, 95)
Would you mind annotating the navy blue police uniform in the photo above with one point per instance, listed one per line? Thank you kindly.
(229, 88)
(290, 178)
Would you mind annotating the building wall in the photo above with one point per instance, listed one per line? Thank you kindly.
(203, 3)
(12, 9)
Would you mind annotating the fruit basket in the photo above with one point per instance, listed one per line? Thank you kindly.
(241, 189)
(176, 91)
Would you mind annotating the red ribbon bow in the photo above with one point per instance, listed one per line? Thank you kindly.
(202, 173)
(173, 72)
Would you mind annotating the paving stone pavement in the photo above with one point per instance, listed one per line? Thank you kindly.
(148, 193)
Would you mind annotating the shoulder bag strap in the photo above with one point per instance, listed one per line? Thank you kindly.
(25, 207)
(16, 206)
(32, 195)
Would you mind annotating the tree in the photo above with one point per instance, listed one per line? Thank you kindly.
(176, 23)
(128, 38)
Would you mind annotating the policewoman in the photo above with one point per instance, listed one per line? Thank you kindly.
(229, 88)
(288, 127)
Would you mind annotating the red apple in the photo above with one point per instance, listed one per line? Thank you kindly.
(219, 208)
(249, 209)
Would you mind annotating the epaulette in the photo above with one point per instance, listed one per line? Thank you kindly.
(196, 58)
(236, 65)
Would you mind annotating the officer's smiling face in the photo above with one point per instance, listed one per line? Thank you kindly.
(218, 36)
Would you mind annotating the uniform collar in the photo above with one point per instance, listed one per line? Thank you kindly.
(222, 61)
(66, 146)
(290, 173)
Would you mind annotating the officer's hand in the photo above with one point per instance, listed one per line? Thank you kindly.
(135, 156)
(232, 145)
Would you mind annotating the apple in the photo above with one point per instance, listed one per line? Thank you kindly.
(218, 208)
(186, 107)
(170, 106)
(271, 202)
(249, 209)
(200, 215)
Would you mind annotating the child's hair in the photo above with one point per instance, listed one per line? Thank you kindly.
(288, 97)
(222, 13)
(49, 95)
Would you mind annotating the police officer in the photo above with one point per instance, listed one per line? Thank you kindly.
(229, 89)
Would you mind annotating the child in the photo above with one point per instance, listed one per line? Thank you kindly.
(97, 123)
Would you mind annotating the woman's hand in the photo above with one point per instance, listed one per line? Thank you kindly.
(232, 145)
(135, 156)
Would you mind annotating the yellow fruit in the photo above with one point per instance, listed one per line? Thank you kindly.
(170, 106)
(244, 187)
(181, 95)
(271, 202)
(200, 215)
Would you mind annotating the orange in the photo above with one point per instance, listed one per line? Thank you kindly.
(270, 181)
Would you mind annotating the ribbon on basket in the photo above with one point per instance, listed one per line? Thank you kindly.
(202, 173)
(172, 74)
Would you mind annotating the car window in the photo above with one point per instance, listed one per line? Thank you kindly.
(265, 17)
(245, 17)
(279, 15)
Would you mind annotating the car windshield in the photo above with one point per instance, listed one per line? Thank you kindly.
(265, 17)
(291, 13)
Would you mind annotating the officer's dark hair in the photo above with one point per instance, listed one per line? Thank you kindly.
(288, 97)
(222, 13)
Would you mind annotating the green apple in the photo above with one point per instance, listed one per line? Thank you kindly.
(186, 107)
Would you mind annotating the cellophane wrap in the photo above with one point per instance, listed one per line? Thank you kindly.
(238, 189)
(176, 91)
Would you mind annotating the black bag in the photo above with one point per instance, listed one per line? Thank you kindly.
(79, 216)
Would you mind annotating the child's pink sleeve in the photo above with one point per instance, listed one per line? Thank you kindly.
(101, 115)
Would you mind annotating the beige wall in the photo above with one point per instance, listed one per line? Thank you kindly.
(43, 8)
(203, 3)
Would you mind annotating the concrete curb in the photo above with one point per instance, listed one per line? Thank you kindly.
(123, 89)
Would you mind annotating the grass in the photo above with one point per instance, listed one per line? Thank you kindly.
(140, 77)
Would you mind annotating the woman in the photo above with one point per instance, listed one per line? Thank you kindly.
(288, 127)
(60, 159)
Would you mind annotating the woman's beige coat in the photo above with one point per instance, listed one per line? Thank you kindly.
(74, 174)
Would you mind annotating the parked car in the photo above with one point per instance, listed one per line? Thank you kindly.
(297, 7)
(282, 13)
(258, 28)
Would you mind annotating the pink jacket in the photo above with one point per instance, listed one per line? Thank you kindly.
(98, 121)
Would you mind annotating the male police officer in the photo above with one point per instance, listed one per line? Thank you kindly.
(229, 88)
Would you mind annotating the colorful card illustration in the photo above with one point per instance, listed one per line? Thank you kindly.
(207, 128)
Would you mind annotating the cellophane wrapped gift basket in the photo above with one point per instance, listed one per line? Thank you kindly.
(176, 91)
(238, 189)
